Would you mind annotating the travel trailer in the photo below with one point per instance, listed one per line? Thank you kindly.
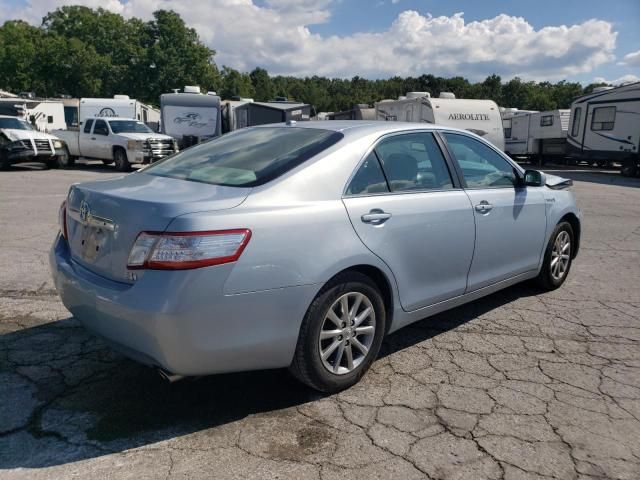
(190, 116)
(233, 117)
(539, 136)
(43, 115)
(481, 117)
(261, 113)
(119, 106)
(361, 111)
(605, 127)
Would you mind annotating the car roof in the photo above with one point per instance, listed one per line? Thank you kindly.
(360, 128)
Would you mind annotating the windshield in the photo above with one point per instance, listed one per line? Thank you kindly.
(15, 124)
(129, 126)
(248, 157)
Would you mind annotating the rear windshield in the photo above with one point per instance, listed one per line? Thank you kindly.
(129, 126)
(246, 158)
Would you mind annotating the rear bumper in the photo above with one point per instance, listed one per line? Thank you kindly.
(181, 321)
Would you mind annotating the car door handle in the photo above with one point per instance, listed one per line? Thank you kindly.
(484, 207)
(376, 216)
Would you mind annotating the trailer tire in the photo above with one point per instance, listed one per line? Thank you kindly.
(121, 160)
(629, 167)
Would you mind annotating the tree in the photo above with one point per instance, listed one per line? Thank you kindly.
(261, 84)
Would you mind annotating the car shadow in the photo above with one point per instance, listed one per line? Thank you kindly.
(83, 165)
(93, 402)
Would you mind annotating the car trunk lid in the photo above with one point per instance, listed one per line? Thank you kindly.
(105, 217)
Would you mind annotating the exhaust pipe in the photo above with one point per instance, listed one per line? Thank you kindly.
(170, 377)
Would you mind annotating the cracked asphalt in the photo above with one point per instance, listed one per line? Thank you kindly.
(519, 385)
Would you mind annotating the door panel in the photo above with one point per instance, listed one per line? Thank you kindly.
(509, 236)
(510, 219)
(427, 241)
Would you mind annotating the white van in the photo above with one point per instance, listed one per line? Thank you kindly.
(481, 117)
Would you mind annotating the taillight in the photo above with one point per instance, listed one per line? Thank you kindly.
(62, 219)
(185, 250)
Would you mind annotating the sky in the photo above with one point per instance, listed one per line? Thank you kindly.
(576, 40)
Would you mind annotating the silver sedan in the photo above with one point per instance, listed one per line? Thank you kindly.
(303, 245)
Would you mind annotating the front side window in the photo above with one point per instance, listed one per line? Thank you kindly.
(101, 128)
(369, 178)
(603, 118)
(482, 167)
(414, 162)
(546, 120)
(246, 158)
(87, 125)
(575, 127)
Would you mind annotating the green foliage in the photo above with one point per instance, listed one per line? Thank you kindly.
(83, 52)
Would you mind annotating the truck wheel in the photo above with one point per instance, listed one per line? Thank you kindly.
(121, 160)
(65, 160)
(629, 167)
(5, 164)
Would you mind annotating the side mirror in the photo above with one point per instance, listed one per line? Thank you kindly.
(534, 178)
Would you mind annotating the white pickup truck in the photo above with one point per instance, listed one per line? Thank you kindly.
(120, 140)
(20, 142)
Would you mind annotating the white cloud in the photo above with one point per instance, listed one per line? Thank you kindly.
(631, 59)
(277, 37)
(630, 78)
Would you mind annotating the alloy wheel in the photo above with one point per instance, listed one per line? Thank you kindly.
(560, 255)
(347, 333)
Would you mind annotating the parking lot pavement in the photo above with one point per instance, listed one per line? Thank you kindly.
(518, 385)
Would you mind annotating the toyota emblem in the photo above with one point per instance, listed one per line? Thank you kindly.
(85, 211)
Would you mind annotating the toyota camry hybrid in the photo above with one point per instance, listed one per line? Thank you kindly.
(303, 245)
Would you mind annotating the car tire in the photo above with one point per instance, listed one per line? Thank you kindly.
(65, 160)
(558, 257)
(121, 160)
(5, 164)
(346, 363)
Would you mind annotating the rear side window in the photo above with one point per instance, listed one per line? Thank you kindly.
(575, 127)
(87, 125)
(603, 118)
(369, 178)
(247, 158)
(414, 162)
(546, 120)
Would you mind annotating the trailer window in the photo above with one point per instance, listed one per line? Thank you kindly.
(575, 127)
(603, 118)
(546, 120)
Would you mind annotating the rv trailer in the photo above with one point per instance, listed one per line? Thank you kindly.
(190, 116)
(43, 115)
(234, 117)
(536, 136)
(360, 111)
(481, 117)
(605, 127)
(262, 113)
(119, 106)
